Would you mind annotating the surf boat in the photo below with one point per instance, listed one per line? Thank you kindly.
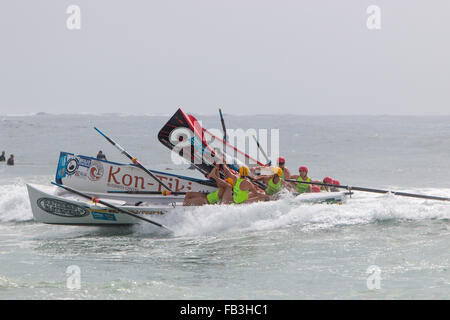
(53, 205)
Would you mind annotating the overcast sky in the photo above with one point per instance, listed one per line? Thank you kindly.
(246, 56)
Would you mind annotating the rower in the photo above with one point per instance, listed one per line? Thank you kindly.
(244, 190)
(326, 180)
(222, 195)
(336, 183)
(273, 182)
(286, 173)
(303, 187)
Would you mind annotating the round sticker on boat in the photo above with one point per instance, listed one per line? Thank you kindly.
(180, 136)
(62, 208)
(95, 171)
(72, 166)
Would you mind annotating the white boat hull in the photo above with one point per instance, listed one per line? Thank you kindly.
(49, 207)
(53, 206)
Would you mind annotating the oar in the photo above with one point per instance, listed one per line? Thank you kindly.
(164, 193)
(133, 159)
(269, 162)
(397, 193)
(96, 200)
(262, 186)
(225, 138)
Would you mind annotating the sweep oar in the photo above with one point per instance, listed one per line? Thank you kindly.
(262, 151)
(164, 193)
(96, 200)
(397, 193)
(133, 159)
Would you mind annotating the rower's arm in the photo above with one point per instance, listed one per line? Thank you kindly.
(228, 172)
(252, 188)
(287, 174)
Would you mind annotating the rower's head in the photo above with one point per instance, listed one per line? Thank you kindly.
(277, 171)
(243, 171)
(303, 171)
(281, 161)
(327, 180)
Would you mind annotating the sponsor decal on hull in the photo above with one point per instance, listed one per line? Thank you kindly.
(103, 215)
(62, 208)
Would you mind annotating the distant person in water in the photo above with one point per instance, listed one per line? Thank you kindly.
(101, 156)
(10, 160)
(2, 157)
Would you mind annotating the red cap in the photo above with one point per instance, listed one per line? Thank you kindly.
(303, 169)
(328, 180)
(336, 182)
(281, 160)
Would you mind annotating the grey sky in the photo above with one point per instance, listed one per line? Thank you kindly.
(304, 57)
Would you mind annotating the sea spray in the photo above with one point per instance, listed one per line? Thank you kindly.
(362, 208)
(14, 203)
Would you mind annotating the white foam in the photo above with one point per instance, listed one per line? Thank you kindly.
(362, 208)
(14, 202)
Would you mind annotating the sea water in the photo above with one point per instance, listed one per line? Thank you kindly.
(373, 246)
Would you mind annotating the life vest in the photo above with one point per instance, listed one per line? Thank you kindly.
(303, 187)
(273, 188)
(239, 195)
(213, 197)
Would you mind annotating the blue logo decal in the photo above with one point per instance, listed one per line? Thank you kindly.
(103, 216)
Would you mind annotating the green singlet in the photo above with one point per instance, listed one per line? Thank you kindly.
(239, 195)
(213, 197)
(303, 187)
(273, 188)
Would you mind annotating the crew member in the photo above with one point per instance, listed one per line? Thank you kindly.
(2, 157)
(303, 177)
(244, 190)
(326, 180)
(286, 174)
(222, 195)
(273, 182)
(336, 183)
